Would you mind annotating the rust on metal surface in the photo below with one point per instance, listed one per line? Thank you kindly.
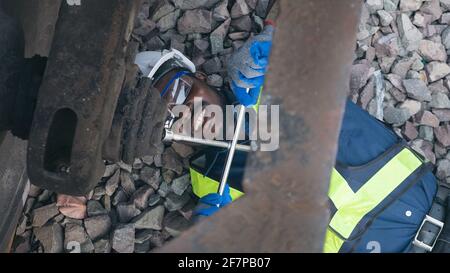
(285, 208)
(78, 95)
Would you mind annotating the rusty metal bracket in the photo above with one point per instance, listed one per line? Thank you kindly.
(285, 209)
(84, 75)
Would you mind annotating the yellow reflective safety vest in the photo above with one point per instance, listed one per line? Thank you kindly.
(206, 170)
(203, 185)
(386, 178)
(375, 207)
(205, 174)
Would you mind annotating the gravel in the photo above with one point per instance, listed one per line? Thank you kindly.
(97, 226)
(175, 223)
(123, 239)
(239, 9)
(432, 51)
(442, 115)
(140, 197)
(151, 176)
(126, 212)
(43, 214)
(183, 150)
(51, 237)
(410, 131)
(393, 115)
(428, 118)
(417, 89)
(409, 34)
(154, 200)
(102, 246)
(169, 21)
(164, 189)
(413, 107)
(437, 70)
(76, 239)
(217, 38)
(150, 219)
(180, 184)
(195, 21)
(443, 135)
(95, 208)
(443, 169)
(440, 101)
(410, 52)
(400, 74)
(172, 161)
(112, 184)
(176, 202)
(126, 181)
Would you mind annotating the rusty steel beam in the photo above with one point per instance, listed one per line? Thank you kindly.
(285, 208)
(78, 95)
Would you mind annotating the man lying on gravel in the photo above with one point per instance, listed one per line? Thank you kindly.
(383, 195)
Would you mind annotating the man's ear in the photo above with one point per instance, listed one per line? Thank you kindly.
(201, 76)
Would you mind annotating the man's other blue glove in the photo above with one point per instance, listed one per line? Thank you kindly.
(208, 204)
(248, 66)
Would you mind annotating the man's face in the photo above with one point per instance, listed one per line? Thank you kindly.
(185, 91)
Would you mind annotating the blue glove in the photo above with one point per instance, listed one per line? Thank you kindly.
(208, 204)
(248, 66)
(244, 98)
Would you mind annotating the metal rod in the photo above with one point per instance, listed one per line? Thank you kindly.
(226, 171)
(170, 136)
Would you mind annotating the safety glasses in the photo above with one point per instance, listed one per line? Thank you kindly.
(177, 89)
(181, 89)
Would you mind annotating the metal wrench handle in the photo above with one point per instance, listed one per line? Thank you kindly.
(230, 156)
(170, 136)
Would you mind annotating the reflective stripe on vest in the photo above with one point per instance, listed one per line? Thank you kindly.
(203, 185)
(353, 206)
(258, 102)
